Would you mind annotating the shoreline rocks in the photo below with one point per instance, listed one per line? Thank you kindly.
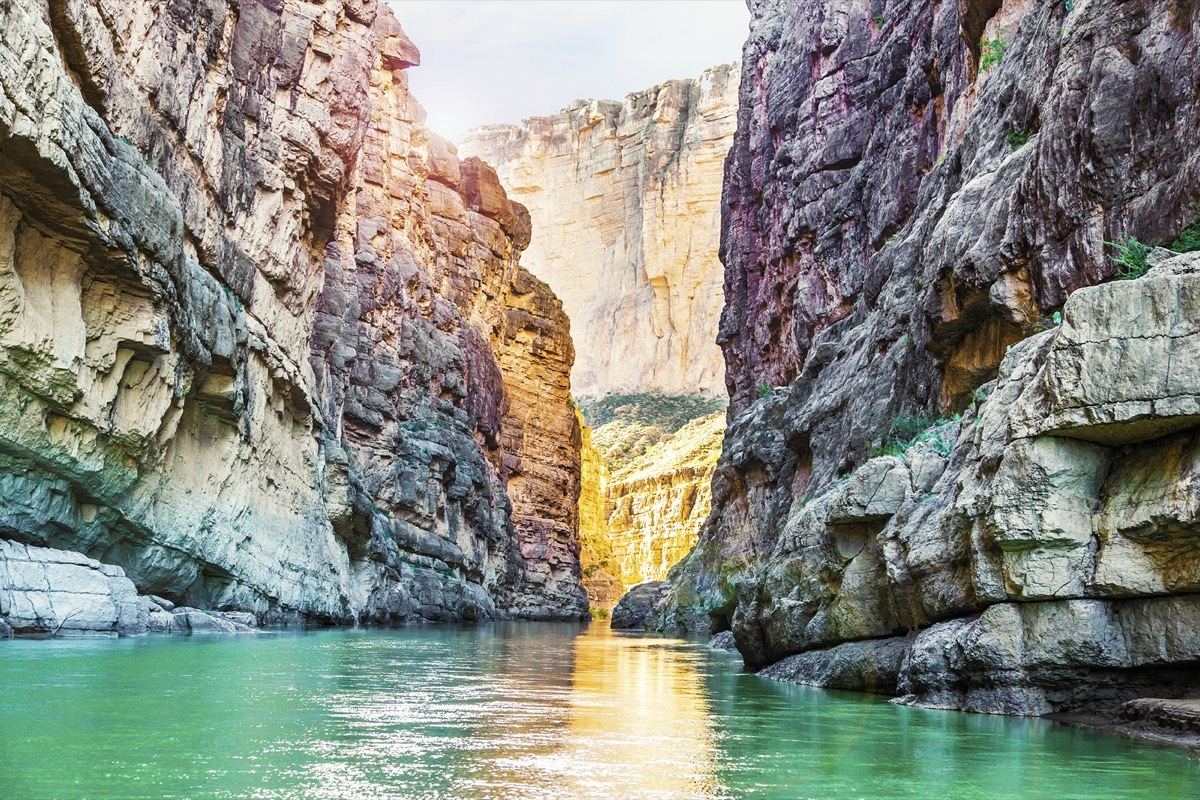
(994, 563)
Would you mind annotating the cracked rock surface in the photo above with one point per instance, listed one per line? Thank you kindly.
(913, 230)
(265, 342)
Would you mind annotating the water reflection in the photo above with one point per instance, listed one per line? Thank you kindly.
(505, 712)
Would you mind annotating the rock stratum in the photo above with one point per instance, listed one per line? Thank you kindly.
(265, 341)
(648, 466)
(625, 200)
(916, 218)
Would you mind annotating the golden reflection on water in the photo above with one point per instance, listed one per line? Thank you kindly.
(628, 707)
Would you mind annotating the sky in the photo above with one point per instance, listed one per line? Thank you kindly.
(492, 61)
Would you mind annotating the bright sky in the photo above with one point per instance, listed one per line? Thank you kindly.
(490, 61)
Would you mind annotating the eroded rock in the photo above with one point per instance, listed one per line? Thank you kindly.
(625, 202)
(1040, 571)
(264, 342)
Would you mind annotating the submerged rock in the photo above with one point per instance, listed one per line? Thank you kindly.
(193, 620)
(723, 641)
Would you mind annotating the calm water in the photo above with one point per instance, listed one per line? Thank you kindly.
(511, 711)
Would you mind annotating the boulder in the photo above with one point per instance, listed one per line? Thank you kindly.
(636, 605)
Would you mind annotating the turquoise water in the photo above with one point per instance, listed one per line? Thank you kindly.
(507, 711)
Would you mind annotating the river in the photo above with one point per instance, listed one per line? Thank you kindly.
(515, 710)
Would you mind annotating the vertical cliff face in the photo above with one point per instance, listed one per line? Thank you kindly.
(625, 198)
(264, 341)
(914, 192)
(657, 501)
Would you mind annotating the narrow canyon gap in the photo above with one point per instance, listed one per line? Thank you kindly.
(625, 202)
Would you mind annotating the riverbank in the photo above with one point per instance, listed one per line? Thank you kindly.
(1172, 722)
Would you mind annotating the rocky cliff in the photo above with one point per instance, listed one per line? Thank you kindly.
(265, 342)
(625, 199)
(657, 502)
(644, 500)
(914, 192)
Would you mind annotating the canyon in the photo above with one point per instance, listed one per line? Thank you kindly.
(266, 345)
(959, 468)
(273, 352)
(625, 202)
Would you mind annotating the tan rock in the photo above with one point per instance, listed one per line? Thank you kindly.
(625, 201)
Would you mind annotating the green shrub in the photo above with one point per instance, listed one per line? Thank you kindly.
(625, 426)
(1188, 240)
(599, 613)
(991, 52)
(879, 20)
(1017, 139)
(905, 430)
(1132, 256)
(765, 391)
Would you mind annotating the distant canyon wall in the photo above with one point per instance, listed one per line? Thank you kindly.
(265, 341)
(625, 201)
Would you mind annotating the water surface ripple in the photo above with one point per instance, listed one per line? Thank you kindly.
(507, 711)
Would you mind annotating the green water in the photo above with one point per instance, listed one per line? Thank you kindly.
(510, 711)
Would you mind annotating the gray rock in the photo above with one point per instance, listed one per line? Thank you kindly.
(6, 631)
(193, 620)
(723, 641)
(58, 592)
(161, 602)
(633, 609)
(242, 618)
(161, 622)
(872, 666)
(1044, 569)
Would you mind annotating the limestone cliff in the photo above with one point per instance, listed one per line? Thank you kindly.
(655, 456)
(625, 200)
(265, 342)
(603, 587)
(915, 191)
(657, 502)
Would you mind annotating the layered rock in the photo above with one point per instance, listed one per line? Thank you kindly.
(642, 510)
(657, 503)
(914, 190)
(603, 587)
(1037, 555)
(265, 342)
(625, 199)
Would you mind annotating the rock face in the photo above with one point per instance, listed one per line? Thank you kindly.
(625, 201)
(657, 503)
(603, 587)
(914, 190)
(1037, 555)
(265, 342)
(645, 498)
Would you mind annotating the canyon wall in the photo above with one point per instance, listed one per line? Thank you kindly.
(625, 200)
(265, 342)
(954, 471)
(658, 501)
